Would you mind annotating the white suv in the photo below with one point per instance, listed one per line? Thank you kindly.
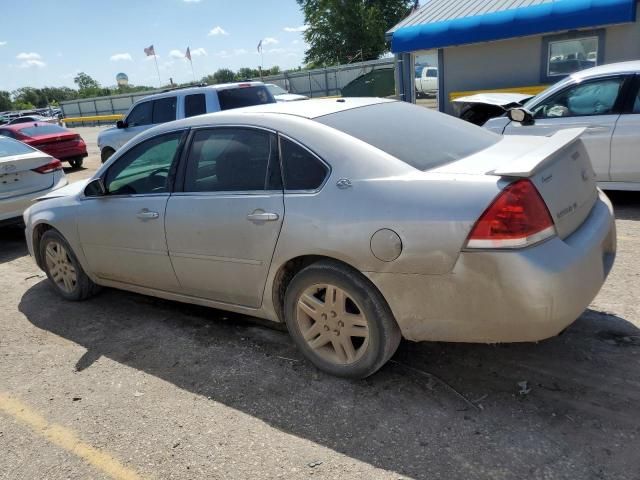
(177, 104)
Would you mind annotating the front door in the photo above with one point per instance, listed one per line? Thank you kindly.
(223, 228)
(122, 233)
(625, 146)
(592, 105)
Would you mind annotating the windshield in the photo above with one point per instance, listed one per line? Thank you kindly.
(43, 129)
(276, 90)
(533, 101)
(9, 147)
(420, 137)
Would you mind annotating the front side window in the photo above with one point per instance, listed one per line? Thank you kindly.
(301, 169)
(568, 56)
(140, 115)
(636, 105)
(145, 168)
(432, 73)
(164, 110)
(232, 159)
(584, 99)
(195, 105)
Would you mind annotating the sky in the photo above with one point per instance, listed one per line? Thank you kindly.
(47, 42)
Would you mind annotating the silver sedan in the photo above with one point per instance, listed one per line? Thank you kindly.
(355, 221)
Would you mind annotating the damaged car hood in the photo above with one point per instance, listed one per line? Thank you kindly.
(498, 99)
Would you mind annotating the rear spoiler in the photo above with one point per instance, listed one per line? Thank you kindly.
(532, 162)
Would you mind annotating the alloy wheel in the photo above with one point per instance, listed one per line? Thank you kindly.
(60, 267)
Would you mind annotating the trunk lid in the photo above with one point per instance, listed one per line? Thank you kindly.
(558, 166)
(18, 178)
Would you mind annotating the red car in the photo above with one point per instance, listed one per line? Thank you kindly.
(54, 140)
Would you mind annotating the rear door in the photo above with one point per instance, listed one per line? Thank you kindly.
(223, 227)
(625, 146)
(593, 104)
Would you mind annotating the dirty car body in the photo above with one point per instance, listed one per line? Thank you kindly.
(458, 235)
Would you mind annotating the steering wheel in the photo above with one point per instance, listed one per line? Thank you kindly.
(156, 180)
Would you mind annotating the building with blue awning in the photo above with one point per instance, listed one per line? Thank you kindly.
(512, 45)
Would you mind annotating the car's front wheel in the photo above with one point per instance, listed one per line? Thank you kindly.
(340, 321)
(76, 162)
(106, 153)
(63, 269)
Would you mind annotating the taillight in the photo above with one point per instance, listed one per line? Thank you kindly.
(517, 218)
(50, 167)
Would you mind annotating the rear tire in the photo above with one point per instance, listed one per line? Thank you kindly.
(76, 163)
(63, 270)
(340, 321)
(106, 153)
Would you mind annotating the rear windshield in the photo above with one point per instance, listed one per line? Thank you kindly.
(42, 129)
(9, 147)
(244, 97)
(420, 137)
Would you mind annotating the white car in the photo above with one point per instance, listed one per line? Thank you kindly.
(605, 101)
(426, 81)
(177, 104)
(281, 95)
(25, 174)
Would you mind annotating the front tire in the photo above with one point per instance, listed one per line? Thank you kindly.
(63, 270)
(340, 321)
(106, 153)
(76, 163)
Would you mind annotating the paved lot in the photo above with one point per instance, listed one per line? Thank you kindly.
(127, 386)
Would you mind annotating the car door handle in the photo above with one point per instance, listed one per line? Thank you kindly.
(598, 129)
(260, 216)
(147, 215)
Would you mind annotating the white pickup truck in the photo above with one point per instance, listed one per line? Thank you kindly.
(426, 81)
(180, 103)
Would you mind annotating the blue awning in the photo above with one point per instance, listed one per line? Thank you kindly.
(518, 22)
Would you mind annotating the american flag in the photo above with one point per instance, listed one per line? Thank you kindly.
(149, 51)
(260, 46)
(188, 54)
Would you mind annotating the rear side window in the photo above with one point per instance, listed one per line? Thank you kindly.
(418, 136)
(302, 170)
(43, 129)
(7, 133)
(244, 97)
(195, 105)
(164, 110)
(140, 115)
(9, 147)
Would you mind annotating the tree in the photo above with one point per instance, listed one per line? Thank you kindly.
(224, 75)
(5, 101)
(341, 31)
(85, 82)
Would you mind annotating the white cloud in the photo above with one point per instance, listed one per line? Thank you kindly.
(269, 41)
(217, 30)
(116, 57)
(276, 50)
(301, 28)
(198, 52)
(2, 44)
(176, 54)
(32, 63)
(239, 51)
(28, 56)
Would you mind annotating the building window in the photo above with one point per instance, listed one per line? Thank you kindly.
(563, 55)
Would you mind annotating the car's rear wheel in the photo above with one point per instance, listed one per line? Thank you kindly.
(76, 162)
(63, 269)
(340, 321)
(106, 153)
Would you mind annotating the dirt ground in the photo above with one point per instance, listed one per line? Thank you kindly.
(127, 386)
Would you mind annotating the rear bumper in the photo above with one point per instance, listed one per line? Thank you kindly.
(12, 208)
(507, 296)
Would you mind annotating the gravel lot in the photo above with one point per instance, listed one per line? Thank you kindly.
(127, 386)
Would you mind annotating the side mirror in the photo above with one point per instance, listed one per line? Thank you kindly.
(121, 124)
(95, 188)
(521, 115)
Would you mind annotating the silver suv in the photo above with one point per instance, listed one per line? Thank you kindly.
(177, 104)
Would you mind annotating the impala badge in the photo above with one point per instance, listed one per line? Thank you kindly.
(343, 183)
(8, 168)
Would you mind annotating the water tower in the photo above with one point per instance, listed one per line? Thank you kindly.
(122, 79)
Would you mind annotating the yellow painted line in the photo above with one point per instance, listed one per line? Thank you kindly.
(621, 237)
(533, 90)
(93, 118)
(66, 439)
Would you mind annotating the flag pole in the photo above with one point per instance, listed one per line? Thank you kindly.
(155, 58)
(192, 71)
